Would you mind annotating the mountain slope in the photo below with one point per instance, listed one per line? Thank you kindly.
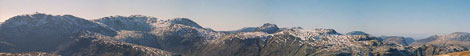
(95, 44)
(42, 32)
(456, 38)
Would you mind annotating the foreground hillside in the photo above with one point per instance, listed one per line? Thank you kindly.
(139, 35)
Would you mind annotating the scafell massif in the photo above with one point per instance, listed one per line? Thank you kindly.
(137, 35)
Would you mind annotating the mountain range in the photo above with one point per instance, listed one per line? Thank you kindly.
(138, 35)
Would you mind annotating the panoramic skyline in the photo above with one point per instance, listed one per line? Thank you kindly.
(417, 19)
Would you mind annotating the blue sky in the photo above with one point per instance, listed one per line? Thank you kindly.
(411, 18)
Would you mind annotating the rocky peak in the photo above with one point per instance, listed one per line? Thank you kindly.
(184, 21)
(268, 28)
(269, 25)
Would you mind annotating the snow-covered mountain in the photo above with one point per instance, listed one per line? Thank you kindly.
(138, 35)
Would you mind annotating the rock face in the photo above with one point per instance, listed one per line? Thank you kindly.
(146, 36)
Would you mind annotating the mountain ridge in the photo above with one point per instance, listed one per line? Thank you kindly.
(145, 35)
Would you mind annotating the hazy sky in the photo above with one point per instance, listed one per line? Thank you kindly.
(417, 18)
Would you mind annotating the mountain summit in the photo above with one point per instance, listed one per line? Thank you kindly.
(268, 28)
(184, 21)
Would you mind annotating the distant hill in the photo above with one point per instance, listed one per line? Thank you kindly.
(456, 38)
